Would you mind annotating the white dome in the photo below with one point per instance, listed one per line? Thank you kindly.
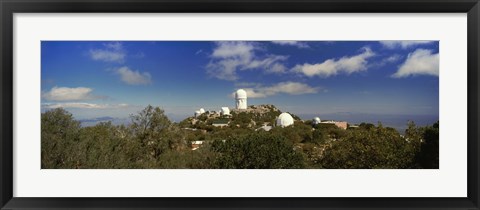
(225, 111)
(316, 120)
(197, 113)
(201, 110)
(284, 120)
(241, 93)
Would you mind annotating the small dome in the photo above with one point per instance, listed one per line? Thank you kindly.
(316, 120)
(241, 94)
(197, 113)
(284, 120)
(202, 110)
(225, 111)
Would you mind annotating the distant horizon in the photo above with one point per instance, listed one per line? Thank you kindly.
(397, 121)
(94, 79)
(303, 116)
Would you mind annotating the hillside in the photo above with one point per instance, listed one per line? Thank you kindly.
(252, 117)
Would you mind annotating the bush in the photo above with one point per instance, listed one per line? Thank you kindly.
(60, 134)
(428, 156)
(259, 150)
(376, 147)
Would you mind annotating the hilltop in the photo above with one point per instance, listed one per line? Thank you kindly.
(253, 117)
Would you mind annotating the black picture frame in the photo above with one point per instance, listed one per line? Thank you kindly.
(9, 7)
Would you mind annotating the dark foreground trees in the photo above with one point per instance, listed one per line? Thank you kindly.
(258, 150)
(60, 137)
(373, 147)
(139, 145)
(427, 155)
(153, 141)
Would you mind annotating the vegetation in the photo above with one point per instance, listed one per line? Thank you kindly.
(256, 151)
(153, 141)
(377, 147)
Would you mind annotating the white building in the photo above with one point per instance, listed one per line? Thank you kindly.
(316, 120)
(225, 111)
(199, 112)
(284, 120)
(241, 99)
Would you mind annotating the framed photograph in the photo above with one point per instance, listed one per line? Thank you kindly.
(239, 105)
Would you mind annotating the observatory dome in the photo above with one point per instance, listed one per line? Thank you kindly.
(284, 120)
(241, 99)
(316, 120)
(241, 93)
(202, 110)
(197, 113)
(225, 111)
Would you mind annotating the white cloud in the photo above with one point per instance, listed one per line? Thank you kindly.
(83, 106)
(269, 64)
(133, 77)
(242, 50)
(291, 88)
(292, 43)
(223, 69)
(254, 93)
(230, 57)
(386, 60)
(331, 67)
(114, 45)
(393, 58)
(113, 52)
(69, 94)
(277, 68)
(420, 62)
(106, 55)
(403, 44)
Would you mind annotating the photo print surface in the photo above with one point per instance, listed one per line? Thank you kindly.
(240, 104)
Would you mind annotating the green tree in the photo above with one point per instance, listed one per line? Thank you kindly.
(413, 133)
(202, 158)
(428, 156)
(186, 123)
(242, 119)
(328, 132)
(149, 121)
(151, 128)
(367, 126)
(320, 136)
(59, 136)
(100, 147)
(259, 150)
(376, 147)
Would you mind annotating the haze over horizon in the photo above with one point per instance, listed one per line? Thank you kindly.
(94, 79)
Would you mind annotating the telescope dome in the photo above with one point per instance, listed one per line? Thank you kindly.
(241, 93)
(284, 120)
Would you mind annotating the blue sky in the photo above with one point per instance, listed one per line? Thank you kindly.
(118, 78)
